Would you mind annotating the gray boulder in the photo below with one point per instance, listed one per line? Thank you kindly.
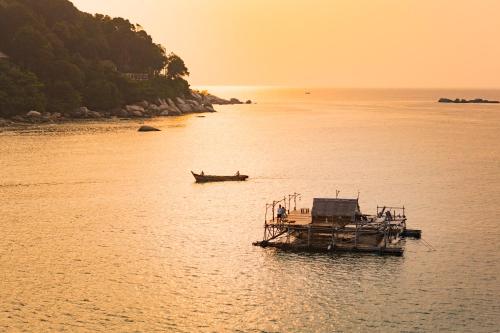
(198, 108)
(115, 111)
(46, 118)
(94, 115)
(136, 113)
(191, 102)
(55, 116)
(34, 115)
(173, 108)
(18, 118)
(174, 112)
(208, 108)
(235, 101)
(196, 96)
(80, 112)
(132, 108)
(216, 100)
(164, 107)
(185, 108)
(153, 110)
(146, 128)
(122, 113)
(170, 103)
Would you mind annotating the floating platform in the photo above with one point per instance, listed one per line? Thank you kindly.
(317, 231)
(395, 251)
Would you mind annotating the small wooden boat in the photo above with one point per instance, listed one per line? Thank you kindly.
(202, 178)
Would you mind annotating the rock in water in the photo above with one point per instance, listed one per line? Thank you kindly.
(461, 100)
(235, 101)
(146, 128)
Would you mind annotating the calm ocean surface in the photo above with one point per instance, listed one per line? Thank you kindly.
(103, 228)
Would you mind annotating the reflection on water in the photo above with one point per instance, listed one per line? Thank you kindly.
(104, 229)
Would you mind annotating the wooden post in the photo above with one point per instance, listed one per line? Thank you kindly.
(265, 216)
(265, 222)
(333, 235)
(356, 236)
(385, 235)
(309, 236)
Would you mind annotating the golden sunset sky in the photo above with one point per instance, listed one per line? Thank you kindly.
(327, 43)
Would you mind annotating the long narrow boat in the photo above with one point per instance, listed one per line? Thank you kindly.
(202, 178)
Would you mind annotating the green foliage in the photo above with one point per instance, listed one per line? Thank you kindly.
(20, 90)
(102, 95)
(176, 67)
(80, 57)
(63, 96)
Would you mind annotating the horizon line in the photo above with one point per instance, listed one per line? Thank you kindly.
(279, 86)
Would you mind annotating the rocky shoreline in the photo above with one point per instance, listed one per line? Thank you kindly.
(193, 103)
(461, 100)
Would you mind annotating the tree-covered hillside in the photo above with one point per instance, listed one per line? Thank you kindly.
(60, 58)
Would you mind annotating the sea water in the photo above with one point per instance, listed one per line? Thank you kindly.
(103, 228)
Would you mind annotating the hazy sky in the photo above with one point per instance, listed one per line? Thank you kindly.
(338, 43)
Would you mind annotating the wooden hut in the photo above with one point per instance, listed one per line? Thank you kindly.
(337, 211)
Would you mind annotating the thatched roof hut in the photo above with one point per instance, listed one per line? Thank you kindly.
(335, 210)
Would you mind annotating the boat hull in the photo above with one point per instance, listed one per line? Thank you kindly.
(211, 178)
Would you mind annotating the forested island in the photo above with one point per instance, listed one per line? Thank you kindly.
(57, 62)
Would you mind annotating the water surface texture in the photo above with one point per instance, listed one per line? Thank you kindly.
(103, 228)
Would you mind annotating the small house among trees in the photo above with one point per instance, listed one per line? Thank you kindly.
(137, 76)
